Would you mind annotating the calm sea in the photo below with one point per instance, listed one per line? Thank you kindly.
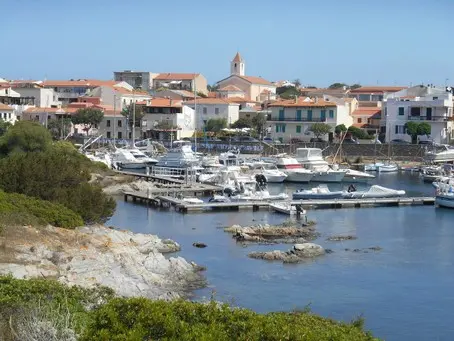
(405, 291)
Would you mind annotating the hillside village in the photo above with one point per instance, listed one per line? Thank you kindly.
(176, 105)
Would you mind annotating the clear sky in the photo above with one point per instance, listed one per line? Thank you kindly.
(392, 42)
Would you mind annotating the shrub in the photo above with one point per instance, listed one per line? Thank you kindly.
(20, 209)
(25, 136)
(143, 319)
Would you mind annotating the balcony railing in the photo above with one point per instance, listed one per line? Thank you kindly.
(430, 118)
(294, 119)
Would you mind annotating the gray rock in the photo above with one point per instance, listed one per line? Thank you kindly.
(298, 253)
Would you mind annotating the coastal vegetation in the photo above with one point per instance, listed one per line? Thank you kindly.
(46, 307)
(415, 129)
(33, 165)
(88, 117)
(320, 129)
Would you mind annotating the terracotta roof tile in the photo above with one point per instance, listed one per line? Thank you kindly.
(92, 83)
(211, 94)
(377, 89)
(367, 111)
(237, 58)
(256, 80)
(5, 107)
(176, 76)
(164, 103)
(209, 100)
(301, 102)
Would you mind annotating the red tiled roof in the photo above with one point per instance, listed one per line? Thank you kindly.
(256, 80)
(367, 111)
(92, 83)
(376, 89)
(302, 103)
(211, 94)
(237, 58)
(176, 76)
(5, 107)
(164, 103)
(209, 100)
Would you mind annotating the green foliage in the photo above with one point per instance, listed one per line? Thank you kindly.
(59, 174)
(341, 128)
(320, 129)
(287, 92)
(201, 94)
(25, 136)
(359, 133)
(215, 124)
(59, 128)
(165, 125)
(133, 114)
(214, 87)
(143, 319)
(337, 86)
(297, 82)
(4, 126)
(355, 86)
(243, 122)
(258, 123)
(88, 117)
(35, 211)
(415, 129)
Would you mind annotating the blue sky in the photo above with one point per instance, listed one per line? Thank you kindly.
(393, 42)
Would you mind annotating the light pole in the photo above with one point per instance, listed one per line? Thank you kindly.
(195, 115)
(115, 119)
(133, 117)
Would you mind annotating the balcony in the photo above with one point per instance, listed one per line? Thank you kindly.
(431, 118)
(294, 119)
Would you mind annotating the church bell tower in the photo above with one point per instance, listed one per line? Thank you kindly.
(237, 65)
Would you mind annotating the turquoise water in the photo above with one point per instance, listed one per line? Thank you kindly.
(404, 291)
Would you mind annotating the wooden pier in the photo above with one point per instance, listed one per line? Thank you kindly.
(154, 178)
(181, 206)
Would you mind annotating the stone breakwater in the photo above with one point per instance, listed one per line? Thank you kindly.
(131, 264)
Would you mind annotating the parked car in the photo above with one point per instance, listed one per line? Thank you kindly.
(268, 139)
(426, 142)
(399, 141)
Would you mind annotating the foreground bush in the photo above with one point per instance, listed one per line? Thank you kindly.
(47, 307)
(59, 175)
(142, 319)
(20, 209)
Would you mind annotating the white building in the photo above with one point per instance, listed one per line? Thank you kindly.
(165, 116)
(419, 104)
(292, 119)
(7, 114)
(34, 94)
(117, 96)
(214, 108)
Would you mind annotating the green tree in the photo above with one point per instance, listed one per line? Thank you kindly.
(133, 114)
(337, 86)
(88, 117)
(201, 94)
(287, 92)
(341, 128)
(243, 122)
(215, 124)
(358, 133)
(59, 128)
(297, 82)
(165, 124)
(4, 126)
(25, 136)
(213, 87)
(320, 129)
(258, 123)
(355, 86)
(415, 129)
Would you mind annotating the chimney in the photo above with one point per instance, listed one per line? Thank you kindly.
(296, 99)
(170, 100)
(316, 99)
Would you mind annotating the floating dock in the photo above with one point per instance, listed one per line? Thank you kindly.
(154, 178)
(183, 207)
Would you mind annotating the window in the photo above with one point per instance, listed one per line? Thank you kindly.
(9, 115)
(204, 110)
(401, 111)
(119, 123)
(323, 115)
(216, 111)
(309, 115)
(108, 134)
(399, 129)
(120, 135)
(298, 129)
(298, 115)
(331, 114)
(37, 117)
(280, 128)
(281, 114)
(108, 123)
(48, 117)
(359, 120)
(130, 134)
(434, 98)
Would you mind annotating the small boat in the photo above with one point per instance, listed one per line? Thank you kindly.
(219, 198)
(375, 191)
(445, 200)
(259, 196)
(319, 192)
(373, 167)
(192, 200)
(285, 208)
(388, 168)
(293, 169)
(352, 175)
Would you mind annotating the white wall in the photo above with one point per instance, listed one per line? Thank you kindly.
(114, 127)
(44, 98)
(206, 112)
(8, 116)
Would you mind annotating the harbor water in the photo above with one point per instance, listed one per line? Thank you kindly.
(404, 292)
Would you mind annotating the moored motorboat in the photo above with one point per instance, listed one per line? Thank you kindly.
(319, 192)
(352, 175)
(285, 208)
(293, 169)
(192, 200)
(312, 159)
(387, 168)
(375, 191)
(373, 167)
(445, 200)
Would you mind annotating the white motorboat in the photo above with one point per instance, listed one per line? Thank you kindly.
(192, 200)
(285, 208)
(445, 195)
(443, 181)
(219, 198)
(180, 156)
(319, 192)
(270, 171)
(375, 191)
(131, 159)
(352, 175)
(262, 195)
(230, 158)
(431, 174)
(373, 167)
(387, 168)
(441, 153)
(293, 169)
(312, 159)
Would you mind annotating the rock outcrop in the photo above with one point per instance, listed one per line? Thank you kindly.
(267, 234)
(131, 264)
(298, 253)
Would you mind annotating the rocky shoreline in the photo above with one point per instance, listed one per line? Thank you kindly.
(130, 264)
